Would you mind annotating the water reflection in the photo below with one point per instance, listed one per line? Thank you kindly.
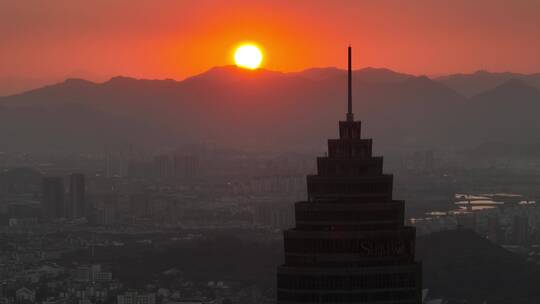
(481, 212)
(469, 203)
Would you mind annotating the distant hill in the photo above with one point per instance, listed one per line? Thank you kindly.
(263, 110)
(509, 110)
(16, 85)
(461, 265)
(480, 81)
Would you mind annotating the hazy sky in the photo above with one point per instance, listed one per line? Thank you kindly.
(175, 39)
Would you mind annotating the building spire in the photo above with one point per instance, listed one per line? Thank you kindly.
(350, 115)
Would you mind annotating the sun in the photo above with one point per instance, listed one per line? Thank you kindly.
(248, 56)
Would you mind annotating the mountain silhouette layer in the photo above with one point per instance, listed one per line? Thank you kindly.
(264, 110)
(480, 81)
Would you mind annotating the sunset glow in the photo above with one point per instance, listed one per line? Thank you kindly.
(181, 39)
(248, 56)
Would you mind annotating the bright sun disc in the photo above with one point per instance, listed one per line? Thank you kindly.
(248, 56)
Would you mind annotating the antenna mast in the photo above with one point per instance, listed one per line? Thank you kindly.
(350, 115)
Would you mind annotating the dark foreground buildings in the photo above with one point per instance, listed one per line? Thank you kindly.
(349, 244)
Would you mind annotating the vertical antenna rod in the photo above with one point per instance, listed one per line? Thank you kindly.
(350, 116)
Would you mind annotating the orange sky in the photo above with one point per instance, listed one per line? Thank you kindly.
(174, 39)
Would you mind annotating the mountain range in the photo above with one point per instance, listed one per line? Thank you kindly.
(480, 81)
(273, 111)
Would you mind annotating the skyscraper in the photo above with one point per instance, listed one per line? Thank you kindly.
(77, 196)
(350, 244)
(186, 167)
(52, 197)
(162, 166)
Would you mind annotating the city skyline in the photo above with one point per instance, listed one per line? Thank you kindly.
(170, 152)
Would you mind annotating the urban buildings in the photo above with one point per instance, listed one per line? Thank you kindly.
(25, 295)
(133, 297)
(350, 244)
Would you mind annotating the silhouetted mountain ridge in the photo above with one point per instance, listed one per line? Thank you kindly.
(367, 74)
(262, 109)
(480, 81)
(507, 113)
(512, 88)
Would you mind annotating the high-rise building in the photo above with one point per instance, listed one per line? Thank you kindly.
(52, 197)
(520, 229)
(494, 231)
(350, 244)
(186, 166)
(162, 166)
(77, 203)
